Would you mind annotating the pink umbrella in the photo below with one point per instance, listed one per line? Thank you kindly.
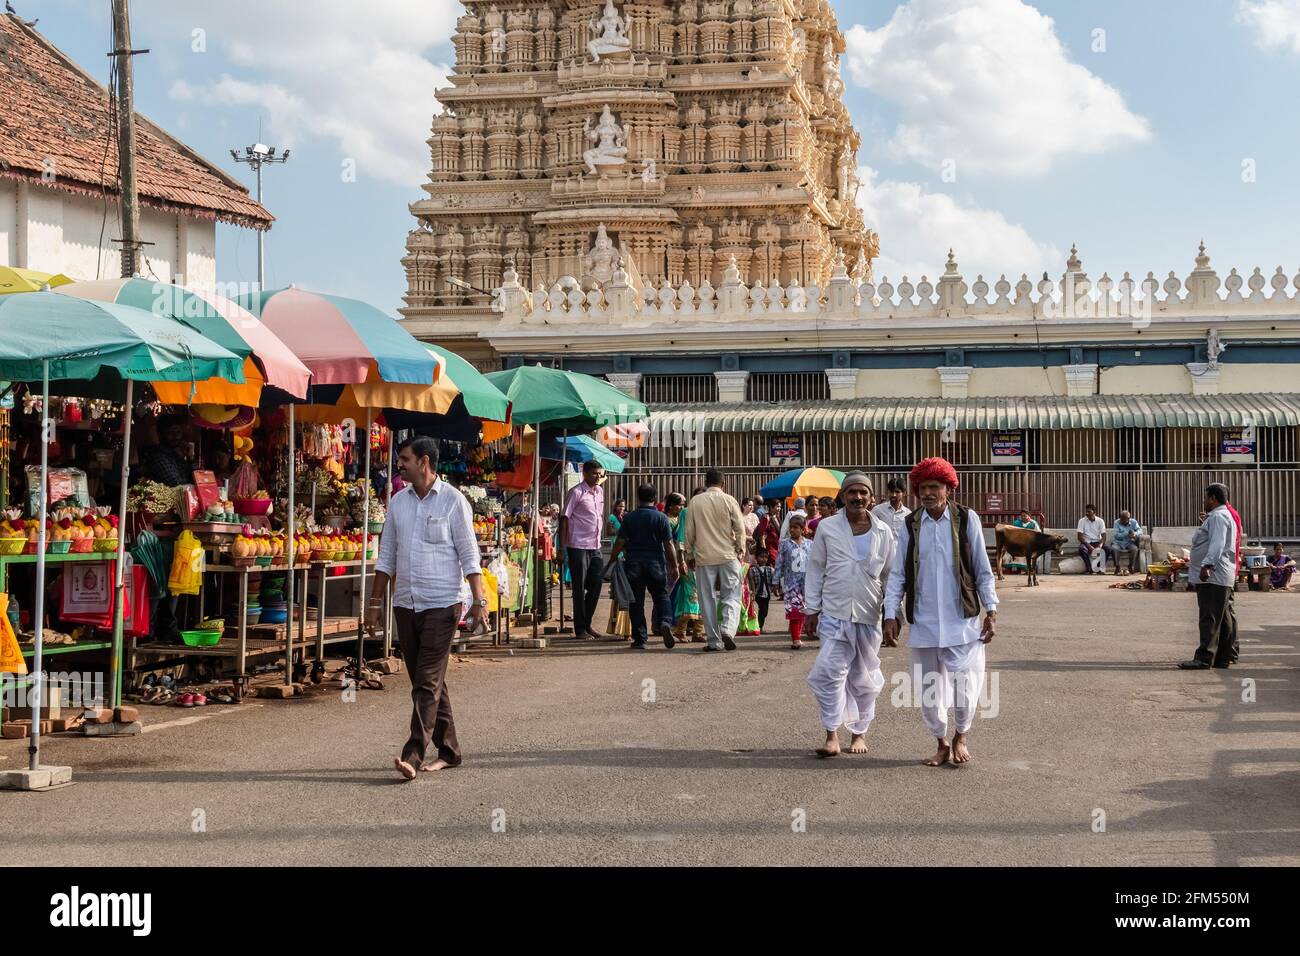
(215, 316)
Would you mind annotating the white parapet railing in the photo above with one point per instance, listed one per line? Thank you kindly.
(1073, 298)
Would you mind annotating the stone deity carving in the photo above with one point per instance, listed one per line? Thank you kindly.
(609, 33)
(649, 173)
(609, 142)
(603, 259)
(1214, 347)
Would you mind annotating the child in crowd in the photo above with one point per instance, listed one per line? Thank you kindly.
(688, 624)
(791, 566)
(748, 624)
(760, 584)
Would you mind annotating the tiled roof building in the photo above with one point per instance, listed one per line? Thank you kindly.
(56, 128)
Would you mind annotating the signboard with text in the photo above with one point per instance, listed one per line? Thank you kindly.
(1237, 446)
(1008, 447)
(786, 451)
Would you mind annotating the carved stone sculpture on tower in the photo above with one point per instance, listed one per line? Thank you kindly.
(603, 259)
(608, 139)
(609, 33)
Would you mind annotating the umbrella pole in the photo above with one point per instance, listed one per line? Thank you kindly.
(539, 587)
(119, 602)
(564, 551)
(38, 610)
(289, 578)
(365, 543)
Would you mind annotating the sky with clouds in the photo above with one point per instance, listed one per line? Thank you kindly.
(1003, 129)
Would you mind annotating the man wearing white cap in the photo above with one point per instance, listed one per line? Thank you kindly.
(848, 566)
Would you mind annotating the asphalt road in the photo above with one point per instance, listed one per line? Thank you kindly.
(566, 762)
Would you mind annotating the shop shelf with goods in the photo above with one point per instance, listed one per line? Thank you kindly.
(46, 336)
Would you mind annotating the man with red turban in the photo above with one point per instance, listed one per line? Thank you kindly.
(940, 578)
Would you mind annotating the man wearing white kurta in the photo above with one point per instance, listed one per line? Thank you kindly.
(843, 592)
(940, 583)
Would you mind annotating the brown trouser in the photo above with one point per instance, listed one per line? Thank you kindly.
(425, 638)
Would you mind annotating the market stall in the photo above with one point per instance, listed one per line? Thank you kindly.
(47, 336)
(361, 359)
(557, 401)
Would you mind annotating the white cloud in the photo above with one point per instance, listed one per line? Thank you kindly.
(917, 228)
(1276, 23)
(987, 84)
(352, 73)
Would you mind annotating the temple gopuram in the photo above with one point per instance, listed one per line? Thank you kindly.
(665, 138)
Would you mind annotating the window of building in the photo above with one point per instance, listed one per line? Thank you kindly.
(664, 389)
(788, 387)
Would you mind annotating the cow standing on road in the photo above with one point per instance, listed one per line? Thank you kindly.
(1028, 544)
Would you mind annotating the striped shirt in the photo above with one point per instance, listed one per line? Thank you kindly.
(428, 546)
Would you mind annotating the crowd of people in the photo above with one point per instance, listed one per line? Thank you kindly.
(849, 570)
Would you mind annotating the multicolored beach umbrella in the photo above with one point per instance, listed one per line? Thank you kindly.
(802, 482)
(341, 339)
(267, 359)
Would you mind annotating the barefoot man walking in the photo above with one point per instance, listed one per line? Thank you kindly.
(843, 592)
(940, 577)
(427, 549)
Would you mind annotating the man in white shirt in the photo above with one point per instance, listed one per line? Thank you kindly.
(1213, 566)
(845, 586)
(1091, 533)
(893, 512)
(940, 577)
(427, 551)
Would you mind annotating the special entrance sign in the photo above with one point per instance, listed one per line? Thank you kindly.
(785, 451)
(1237, 446)
(1008, 447)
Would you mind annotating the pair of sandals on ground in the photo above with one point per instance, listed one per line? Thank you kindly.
(163, 690)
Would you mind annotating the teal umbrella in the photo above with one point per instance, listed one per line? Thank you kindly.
(558, 400)
(44, 335)
(79, 338)
(580, 449)
(554, 399)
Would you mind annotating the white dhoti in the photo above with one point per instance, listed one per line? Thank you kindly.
(947, 677)
(846, 677)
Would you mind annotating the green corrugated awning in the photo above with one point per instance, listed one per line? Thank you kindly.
(983, 414)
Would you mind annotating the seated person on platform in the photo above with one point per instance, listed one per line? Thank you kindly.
(1091, 533)
(1283, 566)
(1126, 538)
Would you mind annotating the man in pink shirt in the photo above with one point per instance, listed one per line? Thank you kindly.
(580, 524)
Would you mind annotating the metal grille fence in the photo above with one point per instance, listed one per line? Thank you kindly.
(1158, 474)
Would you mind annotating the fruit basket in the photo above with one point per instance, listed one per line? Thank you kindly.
(83, 545)
(105, 545)
(9, 546)
(58, 547)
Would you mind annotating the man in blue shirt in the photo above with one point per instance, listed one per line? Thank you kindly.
(1213, 568)
(1125, 538)
(646, 541)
